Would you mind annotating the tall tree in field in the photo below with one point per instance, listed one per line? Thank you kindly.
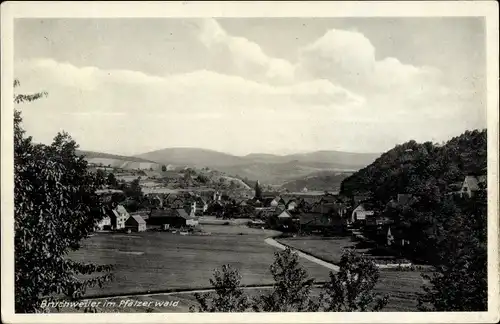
(55, 207)
(228, 296)
(163, 168)
(292, 288)
(351, 289)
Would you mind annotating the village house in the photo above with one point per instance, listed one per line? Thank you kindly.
(135, 223)
(290, 203)
(200, 206)
(395, 237)
(473, 184)
(360, 213)
(284, 216)
(309, 222)
(172, 217)
(103, 224)
(118, 216)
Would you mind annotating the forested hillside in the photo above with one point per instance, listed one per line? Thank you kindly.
(440, 228)
(420, 169)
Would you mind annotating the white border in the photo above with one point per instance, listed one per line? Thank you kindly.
(81, 9)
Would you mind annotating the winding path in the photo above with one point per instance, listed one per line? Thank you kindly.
(309, 257)
(329, 265)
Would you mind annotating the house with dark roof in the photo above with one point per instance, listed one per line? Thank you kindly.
(172, 217)
(316, 221)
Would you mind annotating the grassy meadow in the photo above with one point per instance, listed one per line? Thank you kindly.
(156, 261)
(401, 286)
(152, 262)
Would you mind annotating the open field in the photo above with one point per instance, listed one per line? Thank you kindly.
(212, 220)
(402, 286)
(155, 261)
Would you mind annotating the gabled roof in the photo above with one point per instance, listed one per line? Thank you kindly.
(121, 210)
(137, 218)
(284, 214)
(364, 206)
(182, 213)
(160, 213)
(475, 182)
(315, 219)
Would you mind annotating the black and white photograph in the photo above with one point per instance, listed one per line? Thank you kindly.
(224, 163)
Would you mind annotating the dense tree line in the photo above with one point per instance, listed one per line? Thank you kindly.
(423, 169)
(443, 229)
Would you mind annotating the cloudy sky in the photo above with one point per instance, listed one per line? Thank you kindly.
(242, 85)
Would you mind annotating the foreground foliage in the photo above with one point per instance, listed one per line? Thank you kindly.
(349, 290)
(229, 297)
(55, 207)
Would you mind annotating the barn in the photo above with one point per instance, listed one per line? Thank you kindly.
(172, 217)
(135, 223)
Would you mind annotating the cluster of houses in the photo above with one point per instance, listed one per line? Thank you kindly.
(303, 211)
(378, 223)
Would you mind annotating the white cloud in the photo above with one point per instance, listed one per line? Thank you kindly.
(339, 55)
(243, 56)
(336, 96)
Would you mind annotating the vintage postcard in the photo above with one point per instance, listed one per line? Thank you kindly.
(239, 162)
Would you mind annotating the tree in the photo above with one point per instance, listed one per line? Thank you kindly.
(351, 289)
(112, 180)
(258, 191)
(201, 178)
(228, 296)
(459, 282)
(292, 288)
(163, 168)
(134, 190)
(55, 207)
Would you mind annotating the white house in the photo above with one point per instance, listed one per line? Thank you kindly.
(103, 223)
(472, 184)
(284, 215)
(360, 213)
(120, 217)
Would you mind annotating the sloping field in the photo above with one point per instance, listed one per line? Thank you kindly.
(153, 261)
(401, 286)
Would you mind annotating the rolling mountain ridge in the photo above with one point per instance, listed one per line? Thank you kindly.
(268, 168)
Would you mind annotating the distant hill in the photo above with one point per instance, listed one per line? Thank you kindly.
(119, 161)
(321, 181)
(268, 168)
(193, 157)
(346, 160)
